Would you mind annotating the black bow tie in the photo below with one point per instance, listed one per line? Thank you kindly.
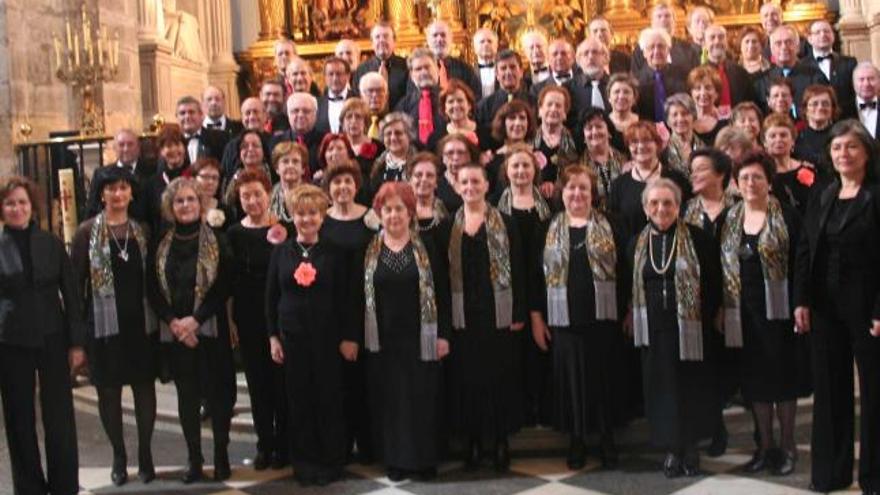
(335, 98)
(214, 125)
(868, 104)
(486, 66)
(564, 75)
(539, 70)
(820, 58)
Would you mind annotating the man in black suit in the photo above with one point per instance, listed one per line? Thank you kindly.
(374, 91)
(784, 43)
(681, 53)
(299, 76)
(618, 60)
(199, 141)
(254, 119)
(439, 39)
(736, 87)
(658, 79)
(348, 50)
(214, 104)
(562, 73)
(302, 113)
(535, 45)
(390, 66)
(509, 72)
(423, 103)
(866, 83)
(771, 18)
(337, 74)
(272, 98)
(486, 48)
(836, 69)
(592, 57)
(128, 155)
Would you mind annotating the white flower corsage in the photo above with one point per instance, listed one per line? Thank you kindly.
(215, 217)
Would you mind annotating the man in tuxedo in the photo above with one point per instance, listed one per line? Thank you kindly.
(128, 155)
(866, 83)
(784, 43)
(681, 53)
(337, 74)
(374, 90)
(534, 43)
(836, 69)
(272, 98)
(509, 72)
(302, 113)
(486, 48)
(439, 39)
(562, 73)
(736, 87)
(618, 60)
(771, 18)
(658, 79)
(423, 104)
(299, 76)
(199, 141)
(390, 66)
(254, 119)
(348, 50)
(214, 103)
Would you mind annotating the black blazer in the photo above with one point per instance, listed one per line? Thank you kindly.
(323, 122)
(859, 257)
(398, 76)
(684, 54)
(741, 87)
(674, 81)
(801, 76)
(46, 303)
(410, 106)
(233, 128)
(489, 106)
(842, 68)
(312, 140)
(620, 62)
(231, 161)
(459, 69)
(145, 169)
(211, 143)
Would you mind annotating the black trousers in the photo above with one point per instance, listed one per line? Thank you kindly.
(206, 371)
(839, 335)
(265, 381)
(19, 367)
(110, 409)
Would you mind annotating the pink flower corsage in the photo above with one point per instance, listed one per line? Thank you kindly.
(806, 176)
(541, 158)
(305, 274)
(369, 150)
(276, 234)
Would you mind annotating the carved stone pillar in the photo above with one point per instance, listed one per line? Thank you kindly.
(403, 16)
(151, 21)
(854, 36)
(271, 19)
(216, 25)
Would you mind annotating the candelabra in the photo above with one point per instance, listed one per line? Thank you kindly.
(85, 60)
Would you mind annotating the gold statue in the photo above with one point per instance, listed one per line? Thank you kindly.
(502, 16)
(563, 18)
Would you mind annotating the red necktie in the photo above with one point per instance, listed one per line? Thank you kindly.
(426, 116)
(268, 126)
(725, 86)
(444, 77)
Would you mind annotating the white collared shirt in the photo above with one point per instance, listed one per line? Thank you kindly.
(221, 122)
(192, 147)
(868, 116)
(134, 165)
(825, 65)
(334, 109)
(487, 78)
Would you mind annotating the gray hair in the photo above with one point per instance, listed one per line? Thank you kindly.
(732, 136)
(302, 94)
(789, 28)
(398, 117)
(683, 100)
(420, 52)
(650, 32)
(865, 64)
(371, 77)
(661, 183)
(171, 191)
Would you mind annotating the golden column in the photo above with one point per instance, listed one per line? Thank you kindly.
(620, 9)
(271, 19)
(403, 17)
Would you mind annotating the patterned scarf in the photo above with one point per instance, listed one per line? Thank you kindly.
(278, 204)
(566, 151)
(427, 298)
(607, 172)
(505, 203)
(693, 212)
(499, 268)
(773, 248)
(206, 273)
(602, 257)
(687, 293)
(101, 277)
(675, 153)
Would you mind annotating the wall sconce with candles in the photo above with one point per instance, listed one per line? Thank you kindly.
(84, 59)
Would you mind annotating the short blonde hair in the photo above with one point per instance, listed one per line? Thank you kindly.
(171, 191)
(307, 196)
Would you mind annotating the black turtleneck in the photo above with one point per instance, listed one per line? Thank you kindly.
(180, 269)
(22, 240)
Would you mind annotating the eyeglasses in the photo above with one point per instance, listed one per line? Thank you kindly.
(819, 103)
(208, 177)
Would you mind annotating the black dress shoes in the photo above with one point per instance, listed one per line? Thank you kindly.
(672, 466)
(222, 470)
(262, 461)
(280, 461)
(119, 473)
(577, 457)
(192, 473)
(608, 452)
(146, 475)
(759, 462)
(786, 464)
(395, 474)
(502, 456)
(719, 443)
(474, 456)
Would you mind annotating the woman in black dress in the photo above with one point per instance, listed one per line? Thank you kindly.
(758, 242)
(308, 307)
(406, 333)
(821, 110)
(554, 145)
(335, 149)
(513, 124)
(252, 240)
(432, 219)
(577, 289)
(398, 134)
(109, 257)
(837, 296)
(681, 113)
(485, 264)
(42, 335)
(188, 285)
(600, 155)
(704, 85)
(217, 214)
(794, 178)
(522, 200)
(350, 226)
(354, 121)
(454, 151)
(290, 161)
(623, 96)
(676, 294)
(173, 163)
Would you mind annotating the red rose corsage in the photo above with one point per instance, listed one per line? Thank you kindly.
(806, 176)
(369, 150)
(305, 274)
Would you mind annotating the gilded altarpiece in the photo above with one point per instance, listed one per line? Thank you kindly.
(316, 25)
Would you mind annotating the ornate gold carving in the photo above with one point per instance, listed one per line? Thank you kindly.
(271, 19)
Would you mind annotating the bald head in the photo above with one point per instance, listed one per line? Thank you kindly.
(214, 102)
(592, 57)
(127, 146)
(348, 50)
(253, 114)
(561, 56)
(439, 38)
